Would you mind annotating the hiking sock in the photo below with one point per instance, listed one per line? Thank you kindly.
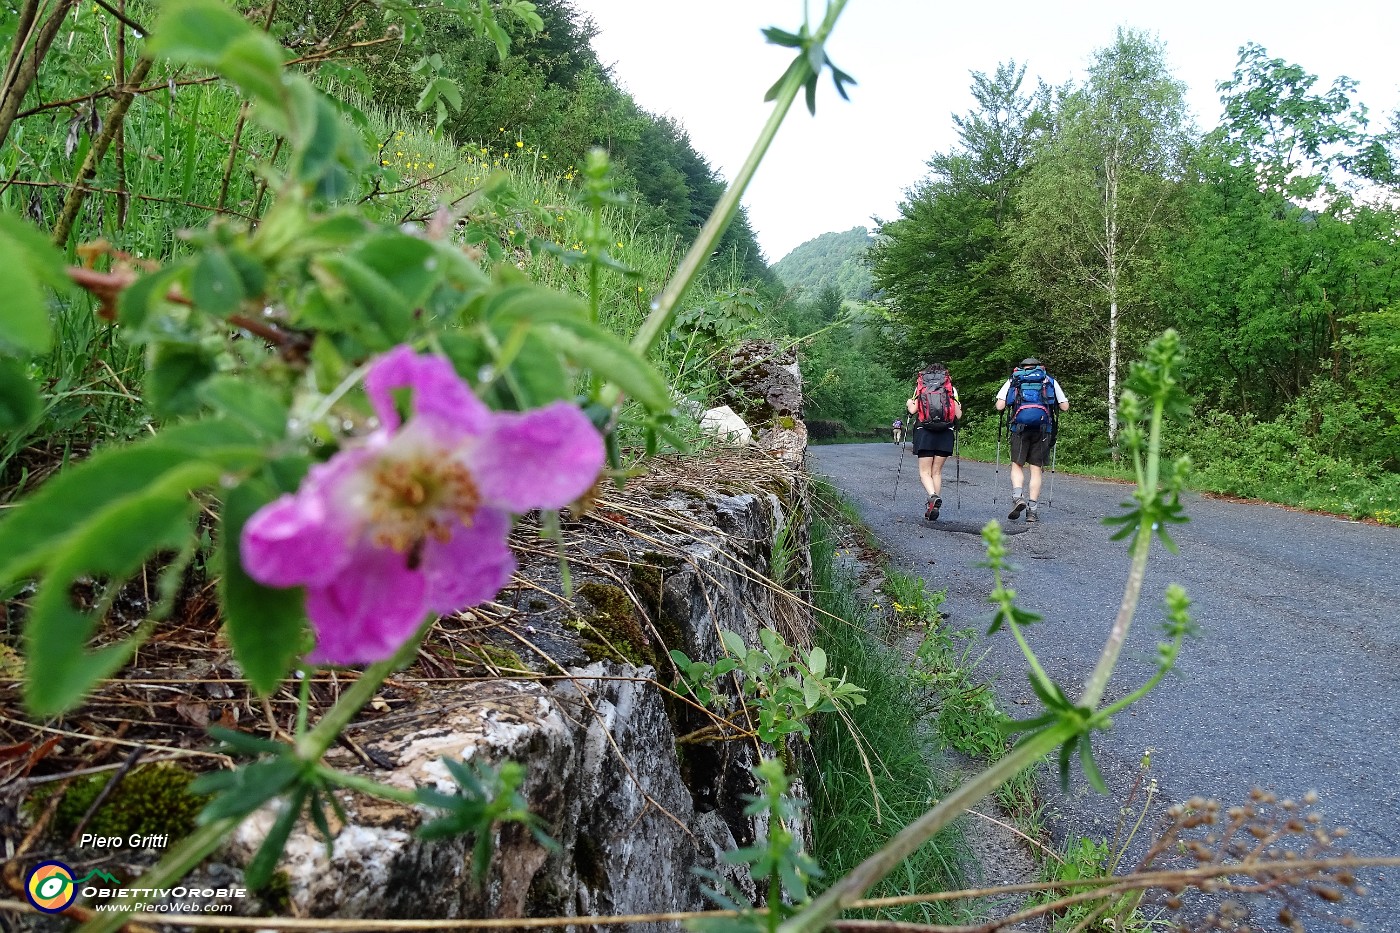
(1016, 493)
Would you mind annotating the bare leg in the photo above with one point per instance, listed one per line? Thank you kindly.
(1017, 478)
(936, 469)
(1034, 491)
(927, 476)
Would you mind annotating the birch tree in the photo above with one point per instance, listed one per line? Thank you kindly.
(1097, 195)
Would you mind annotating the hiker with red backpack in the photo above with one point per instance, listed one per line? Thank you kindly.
(936, 412)
(1033, 400)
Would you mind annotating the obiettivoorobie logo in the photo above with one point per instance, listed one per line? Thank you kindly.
(52, 888)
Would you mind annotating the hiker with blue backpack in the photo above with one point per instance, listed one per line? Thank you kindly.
(936, 412)
(1033, 400)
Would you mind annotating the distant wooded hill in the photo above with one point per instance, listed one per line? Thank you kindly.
(835, 260)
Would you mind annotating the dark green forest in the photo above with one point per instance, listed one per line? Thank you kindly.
(832, 260)
(1074, 223)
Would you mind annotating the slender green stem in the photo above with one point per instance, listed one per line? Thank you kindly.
(365, 786)
(177, 863)
(312, 745)
(1142, 544)
(848, 889)
(1140, 692)
(666, 306)
(1031, 659)
(303, 700)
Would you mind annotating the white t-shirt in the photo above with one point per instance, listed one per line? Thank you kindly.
(1060, 395)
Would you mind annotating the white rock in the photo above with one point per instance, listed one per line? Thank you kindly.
(726, 425)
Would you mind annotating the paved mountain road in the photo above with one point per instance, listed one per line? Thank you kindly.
(1294, 684)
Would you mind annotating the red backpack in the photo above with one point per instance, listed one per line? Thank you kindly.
(933, 394)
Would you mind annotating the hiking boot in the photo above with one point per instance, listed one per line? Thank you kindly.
(931, 512)
(1032, 516)
(1017, 507)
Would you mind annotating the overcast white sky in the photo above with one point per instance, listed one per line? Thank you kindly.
(705, 63)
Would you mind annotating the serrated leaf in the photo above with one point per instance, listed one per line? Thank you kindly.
(174, 376)
(384, 307)
(33, 531)
(266, 627)
(112, 544)
(146, 294)
(407, 263)
(258, 407)
(24, 325)
(215, 285)
(19, 399)
(196, 31)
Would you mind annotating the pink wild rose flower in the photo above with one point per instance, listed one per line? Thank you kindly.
(414, 519)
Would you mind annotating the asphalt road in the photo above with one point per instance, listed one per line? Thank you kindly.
(1294, 684)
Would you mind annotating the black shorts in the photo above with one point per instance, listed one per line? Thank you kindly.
(933, 443)
(1031, 445)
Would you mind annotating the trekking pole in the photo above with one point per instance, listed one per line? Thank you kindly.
(899, 452)
(957, 468)
(996, 483)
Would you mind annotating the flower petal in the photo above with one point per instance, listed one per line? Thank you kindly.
(471, 566)
(438, 392)
(304, 539)
(368, 611)
(540, 459)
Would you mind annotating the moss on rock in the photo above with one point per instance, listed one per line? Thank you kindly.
(150, 800)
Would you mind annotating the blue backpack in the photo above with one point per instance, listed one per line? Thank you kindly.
(1032, 399)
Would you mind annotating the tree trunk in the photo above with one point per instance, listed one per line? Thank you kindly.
(110, 129)
(23, 66)
(1113, 374)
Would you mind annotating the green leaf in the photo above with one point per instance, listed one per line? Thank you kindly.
(256, 406)
(734, 643)
(245, 744)
(537, 374)
(24, 325)
(242, 791)
(1091, 770)
(147, 294)
(19, 399)
(267, 627)
(34, 530)
(253, 61)
(215, 284)
(174, 377)
(591, 347)
(259, 870)
(389, 315)
(816, 661)
(112, 544)
(317, 151)
(407, 263)
(197, 31)
(42, 259)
